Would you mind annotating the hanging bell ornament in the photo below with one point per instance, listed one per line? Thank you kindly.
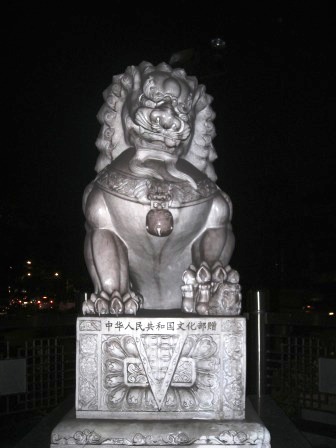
(159, 220)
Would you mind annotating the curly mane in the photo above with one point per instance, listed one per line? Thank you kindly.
(120, 98)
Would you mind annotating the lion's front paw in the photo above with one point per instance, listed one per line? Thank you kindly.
(101, 303)
(214, 291)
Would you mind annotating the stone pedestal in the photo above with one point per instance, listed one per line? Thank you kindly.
(157, 381)
(161, 368)
(249, 432)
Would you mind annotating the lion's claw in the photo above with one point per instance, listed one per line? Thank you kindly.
(116, 306)
(101, 306)
(131, 306)
(88, 307)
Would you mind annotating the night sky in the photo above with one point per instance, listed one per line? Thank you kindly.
(275, 124)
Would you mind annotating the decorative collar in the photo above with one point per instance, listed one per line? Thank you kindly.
(136, 189)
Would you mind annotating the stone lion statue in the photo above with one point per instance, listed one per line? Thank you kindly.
(158, 228)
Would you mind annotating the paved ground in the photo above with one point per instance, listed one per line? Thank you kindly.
(32, 430)
(319, 435)
(14, 428)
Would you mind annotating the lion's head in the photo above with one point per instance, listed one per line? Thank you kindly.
(161, 112)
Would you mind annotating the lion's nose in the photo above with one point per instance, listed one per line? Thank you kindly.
(165, 117)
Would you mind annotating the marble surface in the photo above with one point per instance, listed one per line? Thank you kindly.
(108, 433)
(283, 432)
(154, 211)
(159, 368)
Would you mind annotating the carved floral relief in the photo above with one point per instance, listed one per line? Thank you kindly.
(234, 377)
(233, 435)
(88, 372)
(160, 372)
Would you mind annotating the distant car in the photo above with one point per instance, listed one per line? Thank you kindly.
(45, 303)
(21, 303)
(322, 306)
(3, 309)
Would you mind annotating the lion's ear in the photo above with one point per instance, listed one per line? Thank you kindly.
(201, 152)
(113, 135)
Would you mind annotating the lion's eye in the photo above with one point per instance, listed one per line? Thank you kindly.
(184, 117)
(183, 108)
(144, 101)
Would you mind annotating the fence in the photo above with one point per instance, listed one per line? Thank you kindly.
(292, 357)
(36, 373)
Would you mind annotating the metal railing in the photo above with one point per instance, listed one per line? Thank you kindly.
(49, 372)
(283, 357)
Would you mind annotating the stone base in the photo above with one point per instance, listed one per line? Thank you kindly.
(161, 368)
(151, 434)
(161, 381)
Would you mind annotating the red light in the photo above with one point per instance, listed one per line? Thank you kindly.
(39, 301)
(51, 301)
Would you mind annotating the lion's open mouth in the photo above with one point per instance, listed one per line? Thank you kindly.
(161, 124)
(159, 141)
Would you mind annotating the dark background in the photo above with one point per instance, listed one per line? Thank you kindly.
(272, 84)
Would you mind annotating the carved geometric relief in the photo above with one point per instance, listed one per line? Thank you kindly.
(134, 373)
(234, 375)
(161, 366)
(159, 355)
(150, 373)
(124, 381)
(233, 434)
(199, 356)
(88, 372)
(89, 325)
(185, 373)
